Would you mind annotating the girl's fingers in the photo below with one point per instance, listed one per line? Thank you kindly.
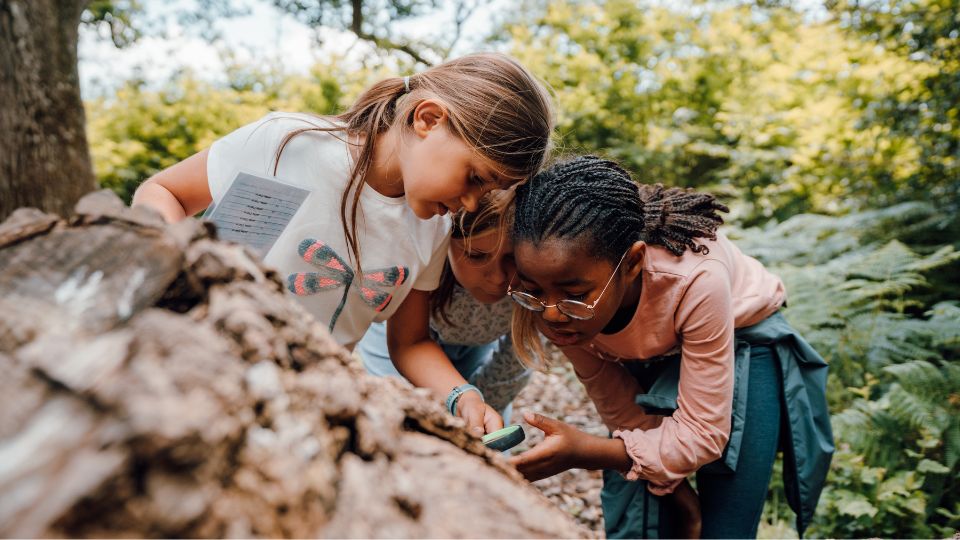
(474, 418)
(528, 467)
(536, 463)
(524, 459)
(536, 456)
(548, 425)
(492, 421)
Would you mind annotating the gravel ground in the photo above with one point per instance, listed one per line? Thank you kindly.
(558, 394)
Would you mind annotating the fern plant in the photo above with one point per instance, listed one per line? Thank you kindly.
(877, 310)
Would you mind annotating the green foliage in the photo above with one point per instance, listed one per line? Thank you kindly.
(137, 132)
(766, 100)
(864, 501)
(126, 21)
(816, 239)
(116, 18)
(926, 32)
(373, 21)
(864, 300)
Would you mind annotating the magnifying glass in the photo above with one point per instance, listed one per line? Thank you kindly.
(504, 439)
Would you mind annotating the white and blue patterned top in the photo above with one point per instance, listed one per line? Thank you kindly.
(502, 377)
(477, 341)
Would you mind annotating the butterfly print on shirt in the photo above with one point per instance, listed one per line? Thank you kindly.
(334, 272)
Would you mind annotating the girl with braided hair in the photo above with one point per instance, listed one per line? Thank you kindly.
(677, 338)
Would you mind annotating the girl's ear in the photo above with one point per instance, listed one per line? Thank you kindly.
(634, 259)
(427, 116)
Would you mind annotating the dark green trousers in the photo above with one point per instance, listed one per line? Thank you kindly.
(731, 503)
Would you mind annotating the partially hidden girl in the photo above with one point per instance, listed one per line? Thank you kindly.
(470, 313)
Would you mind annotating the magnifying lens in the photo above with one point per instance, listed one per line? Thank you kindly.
(504, 439)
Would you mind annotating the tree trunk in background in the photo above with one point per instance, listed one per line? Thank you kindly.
(158, 383)
(44, 159)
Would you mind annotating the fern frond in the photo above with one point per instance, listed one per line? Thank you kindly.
(937, 259)
(951, 443)
(816, 239)
(945, 324)
(920, 377)
(915, 411)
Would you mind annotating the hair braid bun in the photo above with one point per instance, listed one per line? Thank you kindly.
(674, 217)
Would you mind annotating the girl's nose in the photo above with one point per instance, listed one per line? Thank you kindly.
(471, 199)
(509, 268)
(497, 277)
(470, 203)
(554, 315)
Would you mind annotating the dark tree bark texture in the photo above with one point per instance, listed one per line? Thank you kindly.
(44, 159)
(159, 383)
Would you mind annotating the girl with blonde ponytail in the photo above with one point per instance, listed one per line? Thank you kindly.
(369, 242)
(678, 339)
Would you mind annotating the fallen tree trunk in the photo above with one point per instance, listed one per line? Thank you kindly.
(158, 382)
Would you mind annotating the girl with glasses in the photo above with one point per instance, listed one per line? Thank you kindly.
(678, 339)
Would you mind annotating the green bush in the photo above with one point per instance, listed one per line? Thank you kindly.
(865, 301)
(138, 132)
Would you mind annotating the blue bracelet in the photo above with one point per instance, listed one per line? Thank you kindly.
(455, 394)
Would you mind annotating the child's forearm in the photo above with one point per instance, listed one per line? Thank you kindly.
(178, 191)
(160, 199)
(426, 365)
(686, 510)
(604, 453)
(416, 356)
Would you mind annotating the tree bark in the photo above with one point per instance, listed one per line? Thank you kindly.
(159, 383)
(44, 159)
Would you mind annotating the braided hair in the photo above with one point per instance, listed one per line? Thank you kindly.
(595, 200)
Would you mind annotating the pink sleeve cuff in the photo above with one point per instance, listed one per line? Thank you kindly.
(631, 441)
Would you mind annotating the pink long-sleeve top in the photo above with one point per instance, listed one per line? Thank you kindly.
(690, 303)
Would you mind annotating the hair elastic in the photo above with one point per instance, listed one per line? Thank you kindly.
(406, 84)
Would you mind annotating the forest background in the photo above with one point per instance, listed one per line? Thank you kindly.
(831, 129)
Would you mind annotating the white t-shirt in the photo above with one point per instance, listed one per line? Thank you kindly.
(399, 251)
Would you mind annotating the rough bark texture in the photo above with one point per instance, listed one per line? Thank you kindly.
(44, 160)
(158, 382)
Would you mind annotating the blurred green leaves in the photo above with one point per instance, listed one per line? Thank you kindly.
(139, 132)
(787, 110)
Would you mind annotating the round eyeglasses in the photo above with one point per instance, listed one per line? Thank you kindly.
(571, 308)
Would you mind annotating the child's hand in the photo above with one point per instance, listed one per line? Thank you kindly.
(686, 511)
(559, 451)
(480, 417)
